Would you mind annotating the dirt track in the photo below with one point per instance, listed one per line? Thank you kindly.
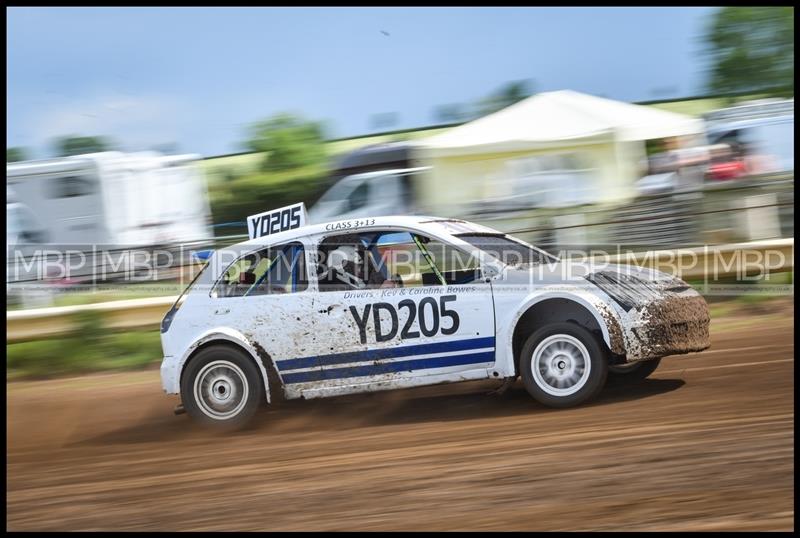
(706, 444)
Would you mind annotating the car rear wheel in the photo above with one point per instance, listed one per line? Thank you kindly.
(563, 365)
(221, 388)
(634, 371)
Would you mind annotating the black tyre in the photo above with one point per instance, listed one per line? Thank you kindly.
(222, 388)
(562, 365)
(632, 372)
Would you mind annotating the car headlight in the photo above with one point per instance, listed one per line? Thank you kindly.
(167, 321)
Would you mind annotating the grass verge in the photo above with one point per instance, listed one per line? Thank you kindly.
(91, 348)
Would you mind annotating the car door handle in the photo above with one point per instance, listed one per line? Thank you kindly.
(222, 311)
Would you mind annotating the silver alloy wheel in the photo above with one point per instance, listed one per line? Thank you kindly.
(561, 365)
(221, 390)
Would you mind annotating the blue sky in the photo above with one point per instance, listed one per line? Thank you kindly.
(198, 77)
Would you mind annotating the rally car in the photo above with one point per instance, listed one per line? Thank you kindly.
(362, 305)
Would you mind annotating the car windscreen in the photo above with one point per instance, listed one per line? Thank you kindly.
(507, 250)
(191, 285)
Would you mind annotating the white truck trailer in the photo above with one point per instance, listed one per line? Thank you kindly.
(104, 208)
(115, 199)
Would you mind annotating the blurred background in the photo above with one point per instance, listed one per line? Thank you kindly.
(138, 131)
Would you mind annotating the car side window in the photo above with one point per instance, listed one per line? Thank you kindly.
(402, 258)
(390, 259)
(455, 265)
(349, 262)
(275, 270)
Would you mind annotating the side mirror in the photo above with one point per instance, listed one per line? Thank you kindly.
(247, 278)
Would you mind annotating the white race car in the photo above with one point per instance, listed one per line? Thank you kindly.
(383, 303)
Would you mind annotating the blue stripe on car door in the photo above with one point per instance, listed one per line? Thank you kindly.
(389, 367)
(384, 353)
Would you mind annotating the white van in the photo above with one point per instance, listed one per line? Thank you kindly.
(371, 181)
(112, 198)
(385, 192)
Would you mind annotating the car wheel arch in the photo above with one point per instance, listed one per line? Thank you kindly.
(553, 308)
(240, 343)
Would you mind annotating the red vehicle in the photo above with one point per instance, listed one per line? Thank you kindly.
(725, 164)
(727, 170)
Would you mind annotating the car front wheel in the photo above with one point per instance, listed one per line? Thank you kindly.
(563, 365)
(221, 388)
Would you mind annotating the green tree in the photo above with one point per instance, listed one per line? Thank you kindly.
(78, 145)
(289, 142)
(507, 95)
(751, 49)
(15, 155)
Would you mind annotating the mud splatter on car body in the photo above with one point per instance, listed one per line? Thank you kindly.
(666, 316)
(313, 342)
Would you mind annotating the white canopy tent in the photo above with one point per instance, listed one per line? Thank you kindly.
(600, 138)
